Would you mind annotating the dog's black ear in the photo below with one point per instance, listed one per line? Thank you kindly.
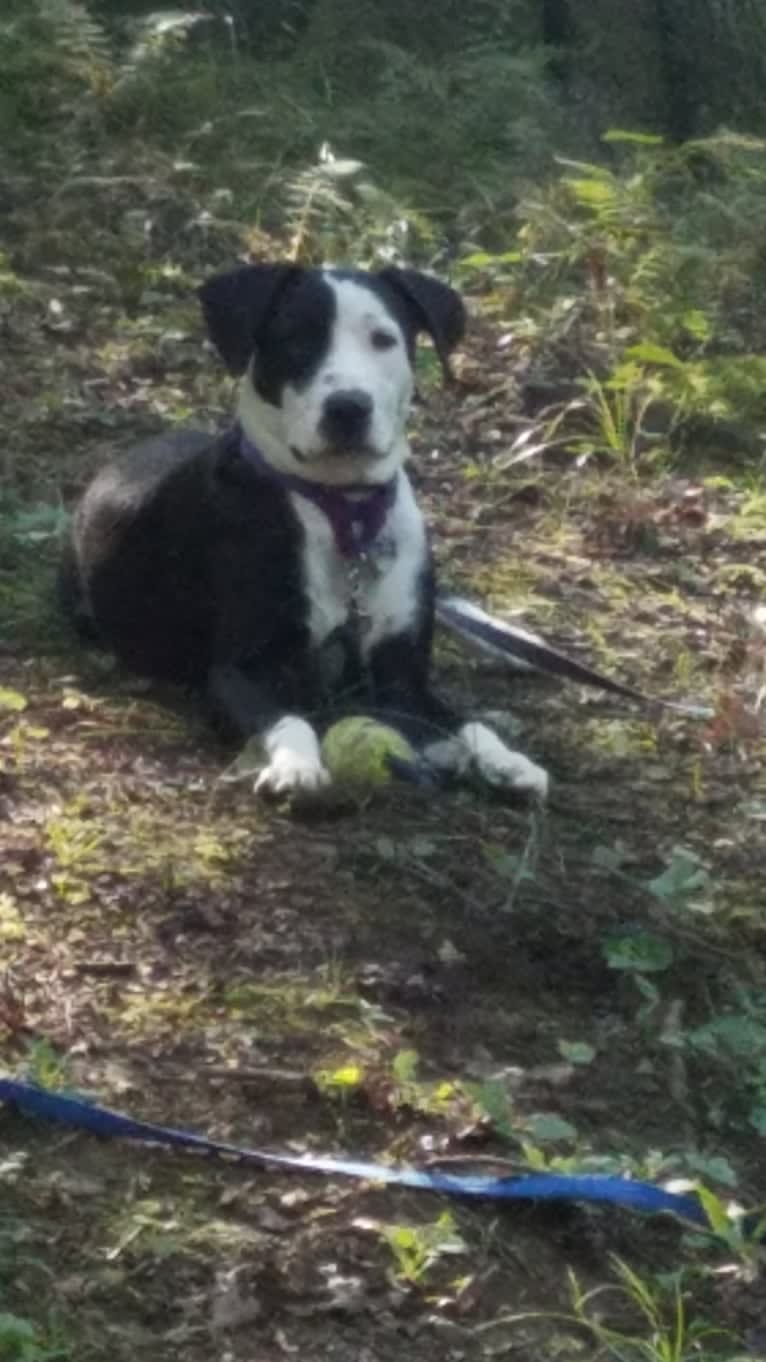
(235, 305)
(433, 306)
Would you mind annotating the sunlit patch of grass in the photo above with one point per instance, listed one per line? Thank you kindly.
(166, 1013)
(89, 839)
(299, 1005)
(511, 584)
(620, 737)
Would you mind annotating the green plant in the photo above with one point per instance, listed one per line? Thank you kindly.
(57, 60)
(663, 1330)
(30, 525)
(45, 1066)
(417, 1248)
(20, 1341)
(333, 211)
(639, 954)
(76, 841)
(610, 280)
(743, 1236)
(528, 1130)
(612, 419)
(737, 1037)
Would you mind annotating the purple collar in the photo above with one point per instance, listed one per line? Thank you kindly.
(356, 512)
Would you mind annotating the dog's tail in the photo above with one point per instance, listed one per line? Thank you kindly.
(525, 651)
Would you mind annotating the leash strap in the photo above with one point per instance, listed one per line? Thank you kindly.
(512, 644)
(97, 1120)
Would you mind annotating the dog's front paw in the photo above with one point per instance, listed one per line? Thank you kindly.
(289, 773)
(295, 761)
(501, 767)
(514, 771)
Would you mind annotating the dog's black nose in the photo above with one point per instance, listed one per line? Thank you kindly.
(346, 418)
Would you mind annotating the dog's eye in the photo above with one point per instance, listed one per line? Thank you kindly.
(383, 340)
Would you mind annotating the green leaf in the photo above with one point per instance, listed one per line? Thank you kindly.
(593, 193)
(715, 1210)
(638, 951)
(576, 1051)
(737, 1035)
(547, 1126)
(649, 353)
(16, 1333)
(641, 139)
(12, 699)
(483, 259)
(697, 324)
(713, 1166)
(607, 858)
(648, 991)
(405, 1066)
(493, 1100)
(683, 876)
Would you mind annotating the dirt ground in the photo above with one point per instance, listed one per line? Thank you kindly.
(424, 977)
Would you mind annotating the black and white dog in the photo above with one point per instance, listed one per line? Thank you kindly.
(284, 567)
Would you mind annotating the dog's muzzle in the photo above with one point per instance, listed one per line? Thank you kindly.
(345, 422)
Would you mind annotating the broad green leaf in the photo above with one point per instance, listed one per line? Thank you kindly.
(738, 1034)
(548, 1126)
(493, 1100)
(594, 193)
(713, 1166)
(697, 324)
(405, 1066)
(685, 875)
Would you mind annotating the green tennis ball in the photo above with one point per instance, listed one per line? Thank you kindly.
(356, 751)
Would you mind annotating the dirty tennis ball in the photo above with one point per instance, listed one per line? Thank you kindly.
(356, 751)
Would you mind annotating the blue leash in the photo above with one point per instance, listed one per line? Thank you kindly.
(98, 1120)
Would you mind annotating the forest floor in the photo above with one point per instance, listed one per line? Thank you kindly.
(426, 976)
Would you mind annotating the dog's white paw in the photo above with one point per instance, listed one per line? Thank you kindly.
(295, 760)
(501, 767)
(290, 773)
(514, 771)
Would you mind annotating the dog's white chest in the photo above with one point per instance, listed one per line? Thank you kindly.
(380, 589)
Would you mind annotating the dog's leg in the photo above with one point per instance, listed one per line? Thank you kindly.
(294, 760)
(460, 745)
(476, 746)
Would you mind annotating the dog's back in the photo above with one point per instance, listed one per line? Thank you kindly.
(139, 540)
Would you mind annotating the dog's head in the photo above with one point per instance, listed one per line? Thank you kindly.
(326, 359)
